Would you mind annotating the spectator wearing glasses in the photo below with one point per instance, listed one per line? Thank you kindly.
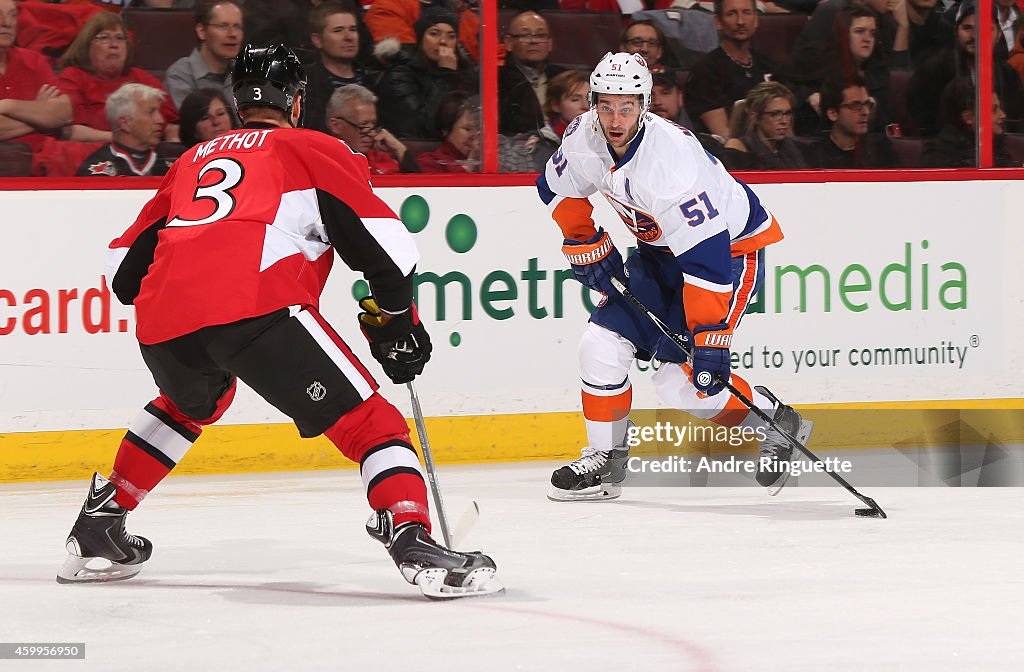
(220, 34)
(727, 73)
(97, 63)
(853, 47)
(644, 37)
(336, 34)
(352, 117)
(133, 111)
(765, 130)
(523, 80)
(412, 92)
(205, 114)
(846, 103)
(31, 107)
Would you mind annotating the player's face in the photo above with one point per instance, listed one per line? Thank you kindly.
(216, 121)
(643, 39)
(862, 37)
(340, 39)
(437, 36)
(619, 115)
(108, 52)
(738, 21)
(146, 126)
(776, 120)
(465, 135)
(223, 35)
(8, 23)
(666, 101)
(529, 39)
(357, 126)
(573, 103)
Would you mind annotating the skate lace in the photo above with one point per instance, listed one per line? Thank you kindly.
(591, 460)
(132, 539)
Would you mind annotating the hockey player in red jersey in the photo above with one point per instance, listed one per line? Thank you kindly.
(225, 266)
(700, 236)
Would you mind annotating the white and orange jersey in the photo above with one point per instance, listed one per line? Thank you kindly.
(671, 194)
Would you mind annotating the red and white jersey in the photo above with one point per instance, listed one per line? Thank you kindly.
(243, 225)
(671, 194)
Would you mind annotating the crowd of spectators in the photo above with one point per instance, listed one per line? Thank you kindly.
(849, 84)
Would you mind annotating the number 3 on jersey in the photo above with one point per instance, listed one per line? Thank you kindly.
(231, 174)
(697, 212)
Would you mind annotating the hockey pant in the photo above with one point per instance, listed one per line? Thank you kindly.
(618, 334)
(296, 361)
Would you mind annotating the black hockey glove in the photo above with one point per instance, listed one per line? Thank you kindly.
(398, 342)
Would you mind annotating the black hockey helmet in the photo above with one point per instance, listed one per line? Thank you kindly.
(271, 76)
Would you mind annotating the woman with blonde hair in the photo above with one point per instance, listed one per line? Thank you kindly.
(765, 129)
(97, 63)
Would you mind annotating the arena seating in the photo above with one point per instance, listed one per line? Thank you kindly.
(160, 36)
(909, 150)
(776, 34)
(15, 159)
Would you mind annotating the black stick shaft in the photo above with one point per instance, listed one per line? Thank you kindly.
(678, 340)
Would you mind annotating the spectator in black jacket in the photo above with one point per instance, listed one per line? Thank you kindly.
(957, 60)
(411, 92)
(846, 103)
(336, 32)
(955, 146)
(727, 73)
(523, 80)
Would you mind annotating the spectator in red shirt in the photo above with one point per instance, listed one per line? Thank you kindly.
(458, 120)
(31, 107)
(95, 65)
(352, 116)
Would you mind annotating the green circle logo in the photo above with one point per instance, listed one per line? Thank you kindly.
(415, 213)
(455, 339)
(360, 290)
(461, 233)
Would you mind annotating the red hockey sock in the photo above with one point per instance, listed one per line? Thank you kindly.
(375, 435)
(156, 441)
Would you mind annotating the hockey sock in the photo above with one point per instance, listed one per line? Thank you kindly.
(606, 413)
(375, 435)
(155, 443)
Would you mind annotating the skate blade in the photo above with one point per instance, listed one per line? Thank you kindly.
(803, 435)
(76, 570)
(478, 583)
(591, 494)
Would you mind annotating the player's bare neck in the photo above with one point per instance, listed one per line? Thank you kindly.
(262, 118)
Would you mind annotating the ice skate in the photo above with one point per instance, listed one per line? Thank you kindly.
(596, 474)
(776, 451)
(98, 536)
(440, 574)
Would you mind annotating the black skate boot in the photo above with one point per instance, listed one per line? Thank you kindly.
(99, 534)
(776, 451)
(595, 475)
(441, 574)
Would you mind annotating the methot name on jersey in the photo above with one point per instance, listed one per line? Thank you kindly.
(239, 140)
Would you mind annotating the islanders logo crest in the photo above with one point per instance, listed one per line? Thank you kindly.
(643, 225)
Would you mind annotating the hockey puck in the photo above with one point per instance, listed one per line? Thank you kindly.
(868, 513)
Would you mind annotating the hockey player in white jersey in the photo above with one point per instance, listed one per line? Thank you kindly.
(700, 234)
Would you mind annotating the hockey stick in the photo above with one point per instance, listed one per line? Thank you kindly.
(428, 460)
(874, 510)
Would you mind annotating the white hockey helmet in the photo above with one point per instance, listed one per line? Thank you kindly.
(622, 73)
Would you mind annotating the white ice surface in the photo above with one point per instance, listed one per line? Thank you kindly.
(275, 572)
